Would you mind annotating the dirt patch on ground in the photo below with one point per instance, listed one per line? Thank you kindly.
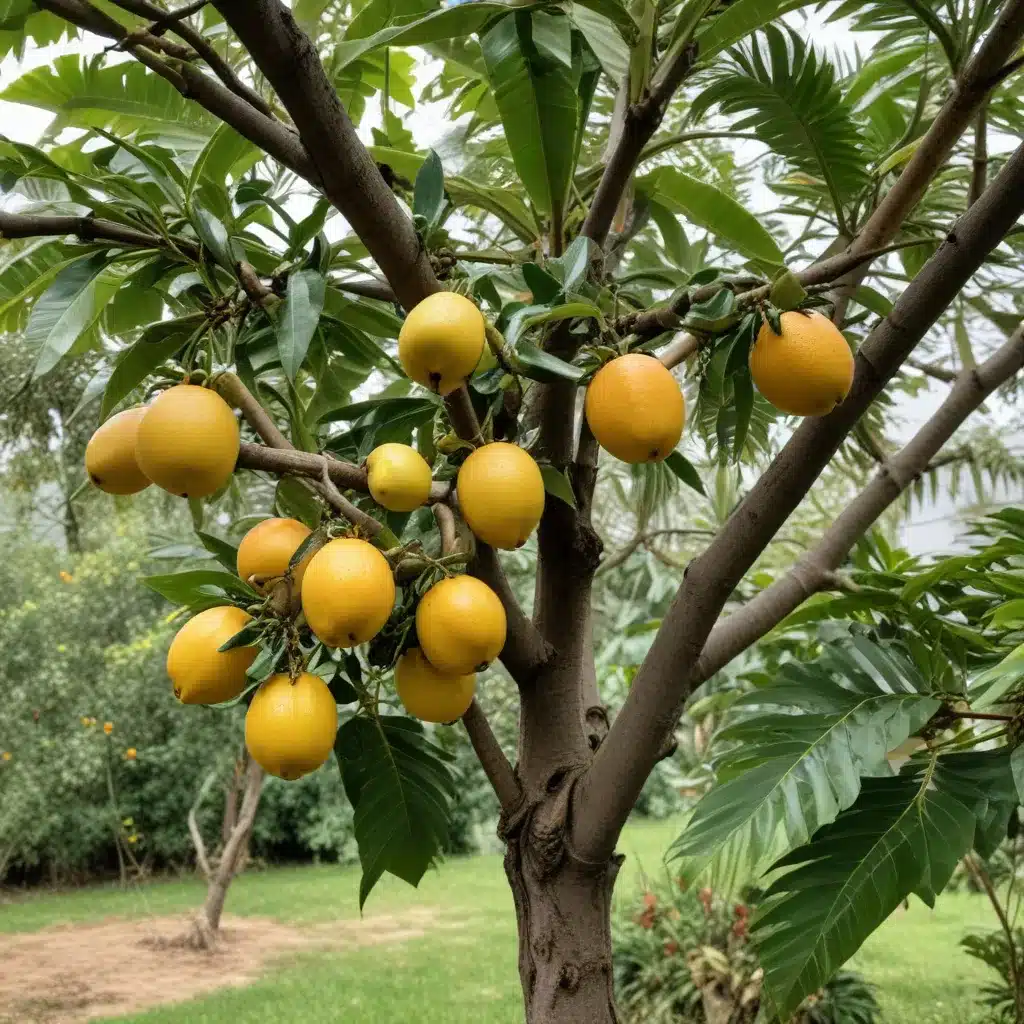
(76, 973)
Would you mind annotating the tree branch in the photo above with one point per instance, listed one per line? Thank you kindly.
(346, 172)
(275, 138)
(741, 629)
(368, 288)
(668, 674)
(979, 164)
(90, 229)
(492, 758)
(202, 859)
(933, 370)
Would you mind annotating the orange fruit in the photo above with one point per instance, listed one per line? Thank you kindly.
(460, 624)
(110, 455)
(199, 671)
(501, 494)
(430, 695)
(267, 548)
(441, 341)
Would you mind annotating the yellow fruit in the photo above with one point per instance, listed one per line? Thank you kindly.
(398, 477)
(460, 624)
(805, 371)
(441, 341)
(110, 454)
(290, 726)
(268, 547)
(348, 592)
(635, 409)
(501, 494)
(200, 673)
(428, 694)
(188, 441)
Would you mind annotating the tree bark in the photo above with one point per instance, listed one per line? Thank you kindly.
(563, 913)
(207, 922)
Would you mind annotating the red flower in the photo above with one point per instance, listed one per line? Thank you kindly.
(742, 911)
(671, 948)
(739, 929)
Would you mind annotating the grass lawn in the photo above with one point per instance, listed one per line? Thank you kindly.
(466, 973)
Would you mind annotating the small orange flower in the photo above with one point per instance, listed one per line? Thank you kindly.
(108, 727)
(67, 577)
(130, 754)
(5, 756)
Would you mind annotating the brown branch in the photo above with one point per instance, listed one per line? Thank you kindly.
(445, 519)
(933, 370)
(355, 515)
(275, 138)
(669, 672)
(370, 289)
(175, 22)
(979, 164)
(737, 632)
(90, 229)
(193, 826)
(492, 758)
(346, 171)
(679, 350)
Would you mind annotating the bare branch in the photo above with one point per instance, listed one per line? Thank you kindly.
(355, 515)
(668, 673)
(347, 173)
(369, 288)
(445, 519)
(202, 859)
(979, 164)
(679, 350)
(737, 632)
(492, 758)
(933, 370)
(90, 229)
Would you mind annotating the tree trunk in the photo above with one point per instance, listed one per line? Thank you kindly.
(563, 911)
(207, 922)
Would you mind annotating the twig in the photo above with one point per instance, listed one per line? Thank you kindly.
(933, 370)
(356, 516)
(370, 289)
(982, 715)
(492, 758)
(193, 826)
(446, 525)
(90, 229)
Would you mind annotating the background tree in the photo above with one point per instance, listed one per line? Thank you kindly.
(180, 211)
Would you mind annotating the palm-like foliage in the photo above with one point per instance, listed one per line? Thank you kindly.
(792, 101)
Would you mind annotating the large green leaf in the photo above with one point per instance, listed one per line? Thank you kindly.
(401, 787)
(793, 103)
(538, 102)
(789, 771)
(226, 154)
(708, 207)
(68, 308)
(201, 588)
(904, 835)
(604, 39)
(739, 20)
(299, 317)
(119, 97)
(159, 342)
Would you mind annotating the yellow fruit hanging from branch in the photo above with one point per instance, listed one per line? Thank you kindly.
(267, 549)
(441, 341)
(110, 460)
(460, 624)
(200, 672)
(501, 494)
(398, 477)
(428, 694)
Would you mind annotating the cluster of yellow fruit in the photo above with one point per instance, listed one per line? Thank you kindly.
(348, 593)
(185, 442)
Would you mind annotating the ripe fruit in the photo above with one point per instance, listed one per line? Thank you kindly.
(807, 370)
(441, 341)
(348, 592)
(501, 494)
(635, 409)
(290, 726)
(110, 454)
(461, 625)
(268, 547)
(188, 441)
(428, 694)
(202, 674)
(398, 477)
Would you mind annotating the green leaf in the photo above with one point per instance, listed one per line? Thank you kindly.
(738, 20)
(159, 342)
(677, 247)
(708, 207)
(1017, 767)
(557, 483)
(743, 406)
(995, 683)
(872, 299)
(531, 316)
(604, 39)
(225, 553)
(793, 103)
(299, 317)
(14, 12)
(214, 235)
(247, 636)
(201, 588)
(401, 788)
(428, 195)
(226, 154)
(903, 835)
(793, 766)
(294, 500)
(574, 263)
(538, 104)
(686, 471)
(614, 11)
(268, 660)
(66, 309)
(539, 365)
(552, 35)
(544, 287)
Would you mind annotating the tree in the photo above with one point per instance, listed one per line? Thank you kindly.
(179, 211)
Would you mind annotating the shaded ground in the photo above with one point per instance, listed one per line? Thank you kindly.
(72, 973)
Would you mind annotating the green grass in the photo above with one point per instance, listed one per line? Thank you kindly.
(465, 973)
